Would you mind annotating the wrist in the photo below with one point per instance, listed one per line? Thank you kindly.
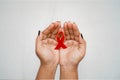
(49, 62)
(68, 67)
(46, 71)
(50, 66)
(68, 72)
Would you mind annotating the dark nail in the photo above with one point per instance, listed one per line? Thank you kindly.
(38, 32)
(82, 36)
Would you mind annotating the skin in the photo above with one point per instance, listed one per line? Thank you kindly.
(68, 58)
(73, 54)
(45, 44)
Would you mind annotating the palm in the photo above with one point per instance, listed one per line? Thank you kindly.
(72, 54)
(45, 44)
(75, 50)
(46, 51)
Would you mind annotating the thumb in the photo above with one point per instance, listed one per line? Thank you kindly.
(39, 37)
(82, 42)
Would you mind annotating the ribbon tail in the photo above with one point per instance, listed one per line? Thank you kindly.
(63, 46)
(58, 46)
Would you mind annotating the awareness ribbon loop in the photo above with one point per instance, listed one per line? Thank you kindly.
(60, 41)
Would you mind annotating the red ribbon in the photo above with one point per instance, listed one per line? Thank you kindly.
(60, 41)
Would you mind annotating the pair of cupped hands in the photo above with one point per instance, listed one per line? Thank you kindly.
(46, 43)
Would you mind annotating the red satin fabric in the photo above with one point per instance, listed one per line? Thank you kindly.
(60, 41)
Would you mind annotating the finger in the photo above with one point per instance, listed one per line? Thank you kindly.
(53, 36)
(65, 27)
(49, 35)
(51, 41)
(49, 29)
(57, 27)
(55, 24)
(70, 29)
(69, 43)
(59, 35)
(76, 32)
(82, 46)
(44, 36)
(39, 38)
(82, 42)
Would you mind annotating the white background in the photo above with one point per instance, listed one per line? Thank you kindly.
(98, 20)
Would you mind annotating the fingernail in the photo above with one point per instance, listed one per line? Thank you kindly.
(69, 21)
(73, 22)
(82, 36)
(58, 21)
(38, 32)
(65, 22)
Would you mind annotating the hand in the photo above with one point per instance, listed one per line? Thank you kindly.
(45, 44)
(74, 53)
